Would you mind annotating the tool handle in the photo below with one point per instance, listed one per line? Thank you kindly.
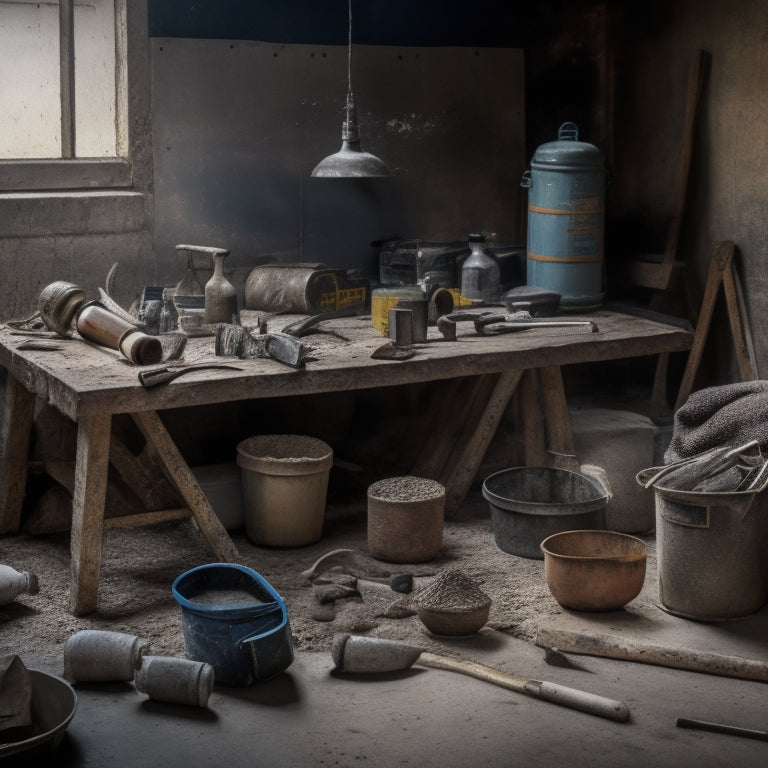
(584, 701)
(590, 703)
(210, 251)
(733, 730)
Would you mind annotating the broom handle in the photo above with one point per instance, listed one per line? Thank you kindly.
(556, 694)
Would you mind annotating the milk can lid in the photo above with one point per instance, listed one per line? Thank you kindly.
(567, 151)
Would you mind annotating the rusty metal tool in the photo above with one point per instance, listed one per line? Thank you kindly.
(492, 323)
(157, 376)
(240, 342)
(733, 730)
(390, 351)
(307, 325)
(358, 654)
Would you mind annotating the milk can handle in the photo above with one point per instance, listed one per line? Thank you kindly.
(525, 181)
(568, 131)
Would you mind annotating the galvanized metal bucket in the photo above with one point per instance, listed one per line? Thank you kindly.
(566, 220)
(528, 504)
(710, 550)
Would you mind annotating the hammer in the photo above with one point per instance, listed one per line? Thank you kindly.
(357, 654)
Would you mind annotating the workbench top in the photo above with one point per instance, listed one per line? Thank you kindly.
(81, 378)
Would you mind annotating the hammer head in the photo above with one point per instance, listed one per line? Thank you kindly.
(356, 654)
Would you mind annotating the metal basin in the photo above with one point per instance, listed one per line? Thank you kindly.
(530, 503)
(594, 570)
(53, 706)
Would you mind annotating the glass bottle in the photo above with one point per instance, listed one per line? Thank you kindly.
(220, 294)
(480, 274)
(14, 583)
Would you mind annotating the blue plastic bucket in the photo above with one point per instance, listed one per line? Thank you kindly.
(233, 619)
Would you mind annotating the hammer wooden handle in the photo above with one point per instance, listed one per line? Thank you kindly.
(573, 698)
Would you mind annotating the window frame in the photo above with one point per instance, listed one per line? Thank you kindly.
(80, 173)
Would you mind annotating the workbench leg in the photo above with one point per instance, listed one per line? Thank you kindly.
(557, 417)
(18, 415)
(533, 424)
(181, 476)
(472, 456)
(91, 466)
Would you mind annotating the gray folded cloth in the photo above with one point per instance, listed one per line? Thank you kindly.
(723, 416)
(15, 694)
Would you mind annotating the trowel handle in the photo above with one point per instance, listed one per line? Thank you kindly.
(584, 701)
(590, 703)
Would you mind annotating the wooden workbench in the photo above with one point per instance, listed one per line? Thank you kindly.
(90, 384)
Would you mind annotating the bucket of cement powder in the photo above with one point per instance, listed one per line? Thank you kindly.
(405, 519)
(233, 619)
(285, 484)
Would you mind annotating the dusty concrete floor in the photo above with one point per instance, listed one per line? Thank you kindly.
(313, 716)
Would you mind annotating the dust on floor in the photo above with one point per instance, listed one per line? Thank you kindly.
(140, 565)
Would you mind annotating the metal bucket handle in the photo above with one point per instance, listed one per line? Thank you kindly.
(649, 477)
(568, 132)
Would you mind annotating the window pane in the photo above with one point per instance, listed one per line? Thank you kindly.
(95, 78)
(30, 109)
(30, 103)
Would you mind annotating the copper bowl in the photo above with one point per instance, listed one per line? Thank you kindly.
(594, 570)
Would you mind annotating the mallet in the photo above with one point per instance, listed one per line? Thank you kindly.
(357, 654)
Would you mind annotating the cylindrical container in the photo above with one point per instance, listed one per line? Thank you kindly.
(710, 552)
(14, 583)
(528, 504)
(401, 326)
(285, 483)
(97, 324)
(175, 681)
(420, 312)
(58, 304)
(220, 294)
(480, 274)
(384, 299)
(566, 220)
(405, 519)
(98, 655)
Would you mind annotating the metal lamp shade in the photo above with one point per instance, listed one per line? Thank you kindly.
(351, 160)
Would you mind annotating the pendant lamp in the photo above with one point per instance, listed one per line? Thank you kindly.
(350, 160)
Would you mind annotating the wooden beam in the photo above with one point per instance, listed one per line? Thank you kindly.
(92, 464)
(466, 468)
(174, 465)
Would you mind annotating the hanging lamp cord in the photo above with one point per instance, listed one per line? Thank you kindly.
(349, 50)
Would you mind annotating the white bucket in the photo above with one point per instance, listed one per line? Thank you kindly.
(285, 484)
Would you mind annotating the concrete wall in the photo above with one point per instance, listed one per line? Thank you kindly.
(728, 191)
(238, 127)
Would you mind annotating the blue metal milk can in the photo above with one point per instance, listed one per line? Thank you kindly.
(566, 220)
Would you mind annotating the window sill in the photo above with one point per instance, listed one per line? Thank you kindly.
(80, 174)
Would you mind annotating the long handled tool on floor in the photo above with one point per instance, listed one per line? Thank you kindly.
(733, 730)
(356, 654)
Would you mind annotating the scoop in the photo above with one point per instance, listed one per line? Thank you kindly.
(366, 655)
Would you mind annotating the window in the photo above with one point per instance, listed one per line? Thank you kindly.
(62, 94)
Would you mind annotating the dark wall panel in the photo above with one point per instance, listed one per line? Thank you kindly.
(375, 22)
